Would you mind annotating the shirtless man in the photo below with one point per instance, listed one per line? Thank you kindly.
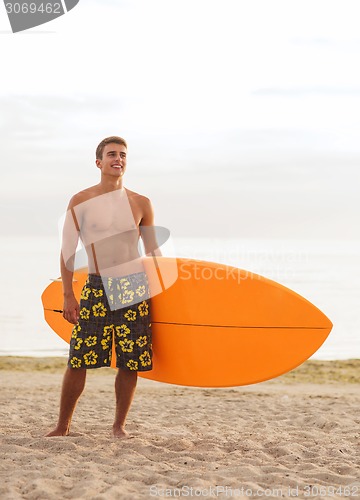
(114, 305)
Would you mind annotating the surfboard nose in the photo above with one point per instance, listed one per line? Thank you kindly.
(326, 322)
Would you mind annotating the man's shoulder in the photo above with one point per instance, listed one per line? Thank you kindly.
(137, 197)
(83, 195)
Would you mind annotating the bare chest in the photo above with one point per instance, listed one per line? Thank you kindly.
(107, 215)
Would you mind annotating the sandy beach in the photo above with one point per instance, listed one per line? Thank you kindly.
(293, 437)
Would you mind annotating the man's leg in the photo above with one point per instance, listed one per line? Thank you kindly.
(72, 387)
(125, 385)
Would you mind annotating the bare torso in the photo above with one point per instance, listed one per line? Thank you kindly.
(109, 229)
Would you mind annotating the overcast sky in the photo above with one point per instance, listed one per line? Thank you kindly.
(242, 117)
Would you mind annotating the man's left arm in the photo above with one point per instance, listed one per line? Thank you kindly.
(147, 230)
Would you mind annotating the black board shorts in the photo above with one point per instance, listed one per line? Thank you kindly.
(113, 310)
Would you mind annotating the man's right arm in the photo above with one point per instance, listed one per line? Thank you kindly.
(70, 240)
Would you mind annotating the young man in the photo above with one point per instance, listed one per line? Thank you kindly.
(114, 305)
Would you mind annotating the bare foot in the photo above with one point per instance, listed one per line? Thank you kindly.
(57, 432)
(121, 433)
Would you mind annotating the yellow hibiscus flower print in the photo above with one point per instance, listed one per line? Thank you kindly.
(90, 358)
(78, 344)
(133, 365)
(145, 359)
(143, 308)
(122, 330)
(84, 313)
(108, 330)
(105, 343)
(97, 293)
(75, 362)
(130, 315)
(140, 290)
(99, 309)
(85, 293)
(90, 341)
(127, 296)
(75, 331)
(126, 345)
(142, 341)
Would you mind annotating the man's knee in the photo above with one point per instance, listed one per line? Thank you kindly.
(130, 374)
(70, 369)
(75, 373)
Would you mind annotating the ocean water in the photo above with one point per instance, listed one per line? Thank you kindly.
(327, 273)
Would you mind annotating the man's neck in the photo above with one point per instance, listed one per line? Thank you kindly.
(107, 184)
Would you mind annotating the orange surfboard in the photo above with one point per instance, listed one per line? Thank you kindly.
(215, 325)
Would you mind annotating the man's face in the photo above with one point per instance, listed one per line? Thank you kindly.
(113, 160)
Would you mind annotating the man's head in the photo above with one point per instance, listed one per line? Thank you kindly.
(111, 156)
(113, 139)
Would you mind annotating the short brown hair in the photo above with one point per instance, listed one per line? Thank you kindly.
(108, 140)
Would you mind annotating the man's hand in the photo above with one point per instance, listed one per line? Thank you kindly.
(71, 309)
